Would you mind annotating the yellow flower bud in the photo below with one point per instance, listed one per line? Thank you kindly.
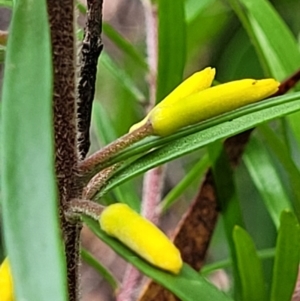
(140, 235)
(6, 283)
(167, 119)
(196, 82)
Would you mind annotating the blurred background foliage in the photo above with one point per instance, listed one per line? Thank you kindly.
(214, 37)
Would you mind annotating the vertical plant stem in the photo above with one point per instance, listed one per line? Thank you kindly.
(90, 51)
(151, 24)
(61, 18)
(153, 179)
(129, 285)
(152, 193)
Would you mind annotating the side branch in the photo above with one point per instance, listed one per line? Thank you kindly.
(90, 51)
(97, 161)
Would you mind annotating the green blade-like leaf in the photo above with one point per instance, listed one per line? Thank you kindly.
(29, 196)
(171, 46)
(188, 285)
(196, 171)
(155, 142)
(287, 258)
(277, 147)
(123, 78)
(249, 267)
(194, 7)
(228, 201)
(222, 264)
(103, 271)
(266, 179)
(280, 58)
(124, 45)
(2, 54)
(189, 143)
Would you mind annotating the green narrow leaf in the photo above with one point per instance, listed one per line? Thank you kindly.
(209, 132)
(122, 77)
(102, 124)
(228, 201)
(29, 196)
(287, 258)
(198, 170)
(266, 179)
(205, 20)
(282, 153)
(2, 54)
(281, 103)
(171, 46)
(103, 271)
(281, 58)
(194, 7)
(249, 267)
(124, 45)
(188, 285)
(279, 52)
(222, 264)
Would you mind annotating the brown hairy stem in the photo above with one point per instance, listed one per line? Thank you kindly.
(97, 182)
(61, 18)
(288, 83)
(90, 52)
(94, 163)
(76, 207)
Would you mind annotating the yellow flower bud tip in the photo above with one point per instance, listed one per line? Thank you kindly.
(210, 102)
(141, 236)
(196, 82)
(6, 283)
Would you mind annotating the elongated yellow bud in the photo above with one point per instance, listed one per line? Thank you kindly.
(140, 235)
(6, 283)
(196, 82)
(167, 119)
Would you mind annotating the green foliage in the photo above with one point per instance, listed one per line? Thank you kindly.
(239, 38)
(281, 59)
(29, 196)
(249, 267)
(185, 144)
(266, 179)
(171, 46)
(188, 285)
(92, 261)
(287, 258)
